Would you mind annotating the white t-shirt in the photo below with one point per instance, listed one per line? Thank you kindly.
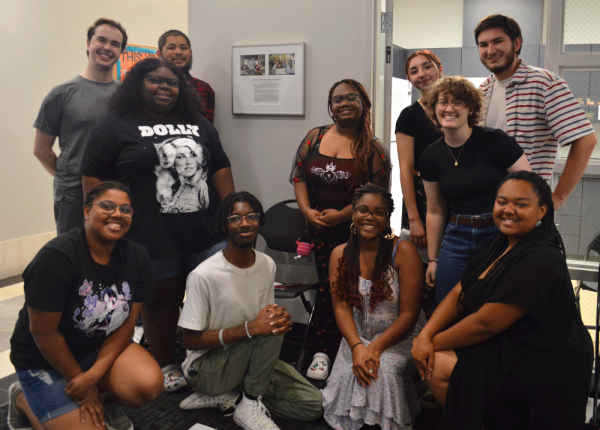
(496, 115)
(220, 295)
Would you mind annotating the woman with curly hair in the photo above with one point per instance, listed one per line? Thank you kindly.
(376, 287)
(331, 162)
(462, 168)
(155, 141)
(506, 348)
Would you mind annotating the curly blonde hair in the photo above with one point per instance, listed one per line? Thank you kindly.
(461, 89)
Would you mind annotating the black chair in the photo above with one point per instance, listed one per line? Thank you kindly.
(284, 224)
(593, 246)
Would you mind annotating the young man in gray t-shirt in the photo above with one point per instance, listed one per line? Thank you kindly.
(70, 112)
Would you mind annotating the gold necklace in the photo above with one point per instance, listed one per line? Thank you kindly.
(455, 158)
(236, 265)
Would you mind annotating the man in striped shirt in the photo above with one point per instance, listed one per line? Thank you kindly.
(533, 105)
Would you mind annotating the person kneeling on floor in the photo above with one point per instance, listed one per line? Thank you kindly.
(233, 330)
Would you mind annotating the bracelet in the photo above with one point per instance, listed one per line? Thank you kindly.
(307, 208)
(433, 260)
(247, 332)
(355, 345)
(221, 337)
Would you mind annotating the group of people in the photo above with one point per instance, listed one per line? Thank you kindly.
(474, 296)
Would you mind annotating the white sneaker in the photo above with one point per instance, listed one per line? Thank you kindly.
(200, 401)
(319, 368)
(173, 378)
(253, 415)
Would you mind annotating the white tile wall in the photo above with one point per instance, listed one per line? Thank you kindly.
(16, 254)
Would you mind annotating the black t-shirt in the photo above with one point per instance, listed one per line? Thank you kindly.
(414, 122)
(168, 164)
(94, 299)
(470, 187)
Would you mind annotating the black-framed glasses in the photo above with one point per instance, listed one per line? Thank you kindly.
(110, 207)
(352, 97)
(251, 218)
(159, 80)
(457, 104)
(363, 212)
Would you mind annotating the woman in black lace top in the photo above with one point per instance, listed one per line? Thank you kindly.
(331, 162)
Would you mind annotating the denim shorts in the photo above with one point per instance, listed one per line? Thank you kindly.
(459, 244)
(170, 267)
(45, 390)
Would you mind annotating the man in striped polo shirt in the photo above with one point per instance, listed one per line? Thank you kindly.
(533, 105)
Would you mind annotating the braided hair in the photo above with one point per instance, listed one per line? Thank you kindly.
(545, 234)
(238, 197)
(361, 146)
(345, 288)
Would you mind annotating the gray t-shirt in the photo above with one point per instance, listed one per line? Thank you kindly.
(70, 111)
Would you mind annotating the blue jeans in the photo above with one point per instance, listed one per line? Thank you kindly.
(459, 244)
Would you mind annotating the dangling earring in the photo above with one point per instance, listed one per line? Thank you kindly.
(538, 223)
(390, 235)
(352, 229)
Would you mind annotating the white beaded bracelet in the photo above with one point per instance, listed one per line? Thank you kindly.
(247, 332)
(221, 337)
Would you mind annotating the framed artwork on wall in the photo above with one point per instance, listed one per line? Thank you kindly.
(268, 79)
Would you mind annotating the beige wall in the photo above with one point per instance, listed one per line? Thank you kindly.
(432, 24)
(42, 44)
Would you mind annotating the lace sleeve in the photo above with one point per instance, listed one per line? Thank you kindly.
(381, 166)
(303, 152)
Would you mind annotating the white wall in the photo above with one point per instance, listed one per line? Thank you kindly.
(338, 37)
(42, 44)
(338, 45)
(432, 24)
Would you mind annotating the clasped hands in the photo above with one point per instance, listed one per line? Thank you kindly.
(83, 389)
(365, 364)
(326, 218)
(271, 319)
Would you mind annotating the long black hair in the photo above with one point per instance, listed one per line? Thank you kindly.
(346, 287)
(128, 97)
(545, 234)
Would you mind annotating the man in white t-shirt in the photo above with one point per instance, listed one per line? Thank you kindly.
(233, 330)
(533, 105)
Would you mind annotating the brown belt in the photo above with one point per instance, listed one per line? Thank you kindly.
(473, 220)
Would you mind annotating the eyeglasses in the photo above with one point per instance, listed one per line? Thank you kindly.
(363, 212)
(352, 97)
(457, 104)
(110, 208)
(251, 218)
(159, 80)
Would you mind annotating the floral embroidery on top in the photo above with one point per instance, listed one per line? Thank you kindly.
(329, 174)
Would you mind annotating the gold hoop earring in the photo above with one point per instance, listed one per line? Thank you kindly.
(390, 235)
(352, 229)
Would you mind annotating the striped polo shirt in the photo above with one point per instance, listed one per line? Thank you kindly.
(541, 113)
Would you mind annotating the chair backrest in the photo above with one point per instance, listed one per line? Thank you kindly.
(284, 224)
(593, 246)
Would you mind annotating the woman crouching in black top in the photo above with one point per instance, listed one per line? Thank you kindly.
(71, 345)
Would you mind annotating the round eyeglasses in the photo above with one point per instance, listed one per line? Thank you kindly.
(159, 80)
(456, 104)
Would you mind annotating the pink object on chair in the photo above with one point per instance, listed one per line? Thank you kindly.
(304, 249)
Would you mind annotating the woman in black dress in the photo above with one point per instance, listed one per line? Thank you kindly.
(506, 348)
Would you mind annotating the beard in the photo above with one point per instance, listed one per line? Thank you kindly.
(500, 68)
(186, 69)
